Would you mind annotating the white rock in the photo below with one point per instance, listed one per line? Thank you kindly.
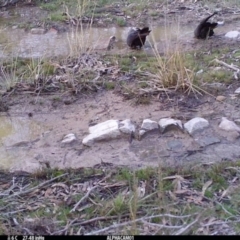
(195, 124)
(69, 138)
(126, 126)
(102, 131)
(149, 125)
(166, 122)
(228, 125)
(142, 132)
(237, 91)
(109, 124)
(232, 34)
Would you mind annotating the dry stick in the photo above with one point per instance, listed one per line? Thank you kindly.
(214, 201)
(161, 225)
(38, 186)
(181, 231)
(227, 65)
(109, 175)
(66, 227)
(136, 220)
(99, 219)
(26, 229)
(82, 199)
(8, 213)
(214, 223)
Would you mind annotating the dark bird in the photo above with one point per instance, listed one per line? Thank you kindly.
(205, 28)
(137, 37)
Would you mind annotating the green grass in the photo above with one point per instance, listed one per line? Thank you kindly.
(56, 17)
(121, 22)
(110, 85)
(51, 6)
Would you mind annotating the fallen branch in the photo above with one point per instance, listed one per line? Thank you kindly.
(66, 228)
(96, 219)
(227, 65)
(135, 221)
(183, 230)
(82, 199)
(13, 212)
(162, 225)
(22, 228)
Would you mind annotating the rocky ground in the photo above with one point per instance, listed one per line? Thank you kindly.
(60, 106)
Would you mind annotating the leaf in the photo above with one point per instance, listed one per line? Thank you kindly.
(182, 191)
(48, 192)
(234, 180)
(60, 185)
(174, 177)
(205, 186)
(172, 195)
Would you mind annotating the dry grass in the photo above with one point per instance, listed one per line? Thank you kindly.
(171, 68)
(171, 73)
(80, 39)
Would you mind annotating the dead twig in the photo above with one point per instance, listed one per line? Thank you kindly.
(83, 198)
(99, 219)
(38, 186)
(14, 212)
(183, 230)
(26, 229)
(66, 228)
(135, 221)
(162, 225)
(227, 65)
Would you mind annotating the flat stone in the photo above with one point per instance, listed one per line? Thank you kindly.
(237, 91)
(170, 123)
(232, 34)
(228, 125)
(206, 141)
(69, 138)
(126, 126)
(149, 125)
(196, 124)
(102, 131)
